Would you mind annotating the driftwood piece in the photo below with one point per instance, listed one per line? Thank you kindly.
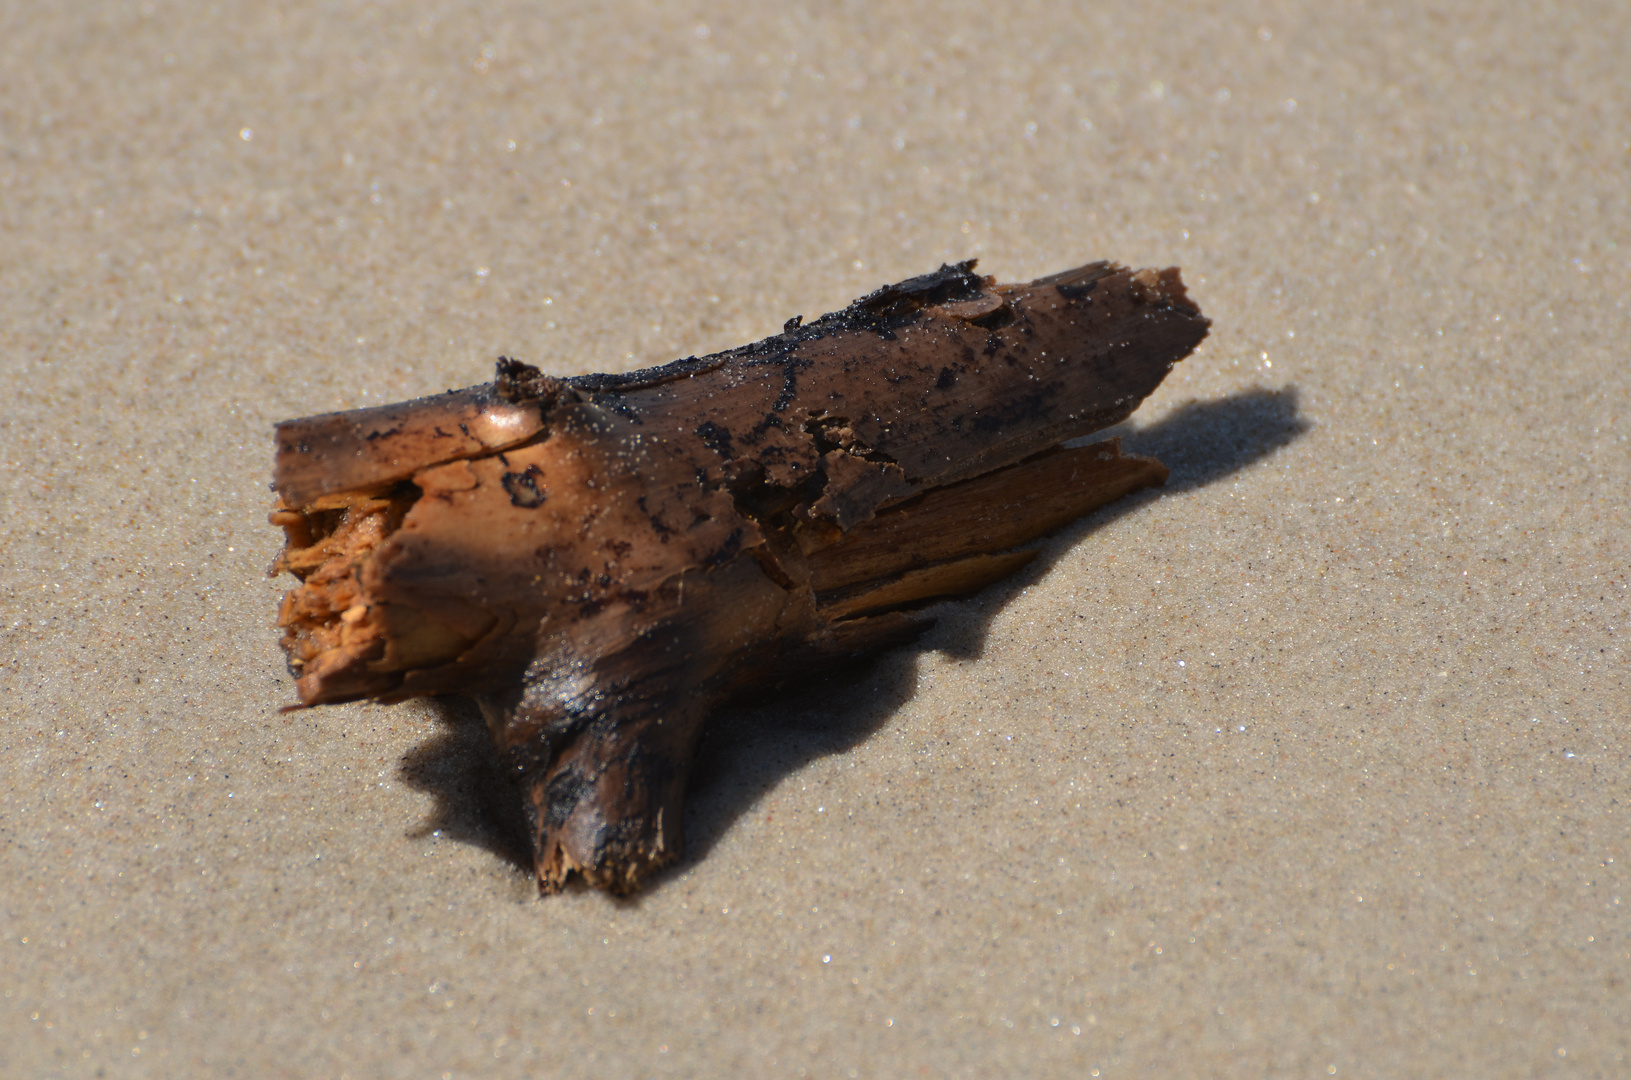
(601, 560)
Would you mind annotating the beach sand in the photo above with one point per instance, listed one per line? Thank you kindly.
(1314, 763)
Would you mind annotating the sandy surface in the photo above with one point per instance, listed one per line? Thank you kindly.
(1314, 764)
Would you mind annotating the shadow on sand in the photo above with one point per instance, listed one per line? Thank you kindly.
(747, 750)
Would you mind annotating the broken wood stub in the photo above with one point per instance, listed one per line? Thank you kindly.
(601, 560)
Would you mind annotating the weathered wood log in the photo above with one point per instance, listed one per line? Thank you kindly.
(601, 560)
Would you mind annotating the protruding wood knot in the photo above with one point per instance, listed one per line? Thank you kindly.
(518, 382)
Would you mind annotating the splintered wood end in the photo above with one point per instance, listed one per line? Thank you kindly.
(335, 638)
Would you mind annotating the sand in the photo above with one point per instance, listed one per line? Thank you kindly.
(1313, 764)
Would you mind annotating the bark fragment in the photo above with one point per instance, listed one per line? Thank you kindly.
(601, 560)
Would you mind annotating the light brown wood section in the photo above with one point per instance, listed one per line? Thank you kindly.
(991, 513)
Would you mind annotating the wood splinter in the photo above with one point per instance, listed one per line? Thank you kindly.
(602, 560)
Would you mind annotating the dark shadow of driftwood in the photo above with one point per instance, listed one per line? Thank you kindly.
(475, 803)
(747, 750)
